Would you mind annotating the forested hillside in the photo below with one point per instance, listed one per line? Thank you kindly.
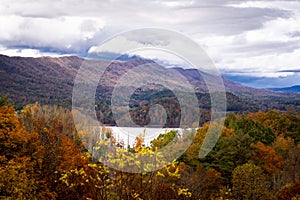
(43, 157)
(50, 81)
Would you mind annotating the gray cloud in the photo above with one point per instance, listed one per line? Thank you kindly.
(267, 47)
(222, 27)
(265, 82)
(295, 70)
(197, 17)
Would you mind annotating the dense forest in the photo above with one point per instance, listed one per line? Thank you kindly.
(42, 156)
(50, 81)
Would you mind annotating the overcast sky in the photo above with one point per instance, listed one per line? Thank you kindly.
(260, 39)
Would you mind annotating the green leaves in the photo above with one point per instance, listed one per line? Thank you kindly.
(249, 183)
(4, 101)
(228, 153)
(256, 130)
(43, 157)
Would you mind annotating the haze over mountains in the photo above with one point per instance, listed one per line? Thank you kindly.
(50, 80)
(295, 88)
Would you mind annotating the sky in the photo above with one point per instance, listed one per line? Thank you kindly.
(254, 42)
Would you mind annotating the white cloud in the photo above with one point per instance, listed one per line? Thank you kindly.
(259, 52)
(26, 53)
(284, 5)
(260, 37)
(60, 33)
(177, 3)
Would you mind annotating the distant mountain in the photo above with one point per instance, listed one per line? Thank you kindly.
(261, 81)
(46, 80)
(295, 88)
(50, 81)
(230, 86)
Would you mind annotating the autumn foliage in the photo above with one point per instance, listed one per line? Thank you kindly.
(43, 157)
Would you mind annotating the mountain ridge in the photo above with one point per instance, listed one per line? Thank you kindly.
(294, 88)
(50, 80)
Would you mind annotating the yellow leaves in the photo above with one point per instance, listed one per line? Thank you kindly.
(20, 157)
(90, 178)
(225, 193)
(70, 170)
(92, 165)
(227, 132)
(174, 174)
(64, 179)
(184, 192)
(249, 182)
(82, 172)
(139, 141)
(173, 167)
(25, 110)
(82, 133)
(16, 182)
(135, 195)
(160, 174)
(69, 176)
